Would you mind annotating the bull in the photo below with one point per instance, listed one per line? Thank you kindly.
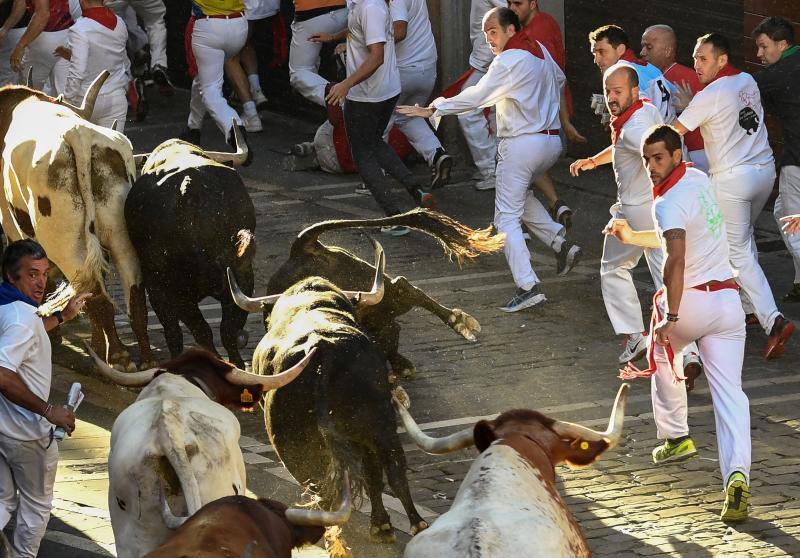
(338, 416)
(241, 526)
(309, 257)
(189, 217)
(64, 183)
(179, 436)
(508, 503)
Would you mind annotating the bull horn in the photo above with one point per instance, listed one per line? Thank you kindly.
(245, 302)
(29, 77)
(436, 446)
(238, 158)
(240, 377)
(114, 125)
(87, 107)
(612, 434)
(170, 520)
(127, 379)
(316, 518)
(375, 295)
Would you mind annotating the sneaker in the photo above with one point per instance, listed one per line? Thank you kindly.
(395, 230)
(425, 199)
(635, 349)
(302, 149)
(567, 258)
(737, 497)
(669, 451)
(782, 330)
(252, 123)
(486, 183)
(192, 135)
(259, 98)
(160, 76)
(136, 100)
(525, 299)
(362, 189)
(793, 295)
(692, 369)
(442, 164)
(561, 213)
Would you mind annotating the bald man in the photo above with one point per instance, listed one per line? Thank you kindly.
(660, 48)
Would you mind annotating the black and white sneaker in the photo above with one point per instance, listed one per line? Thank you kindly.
(567, 258)
(561, 213)
(524, 299)
(362, 189)
(442, 164)
(160, 76)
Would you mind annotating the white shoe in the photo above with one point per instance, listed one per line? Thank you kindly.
(259, 98)
(486, 183)
(635, 349)
(252, 123)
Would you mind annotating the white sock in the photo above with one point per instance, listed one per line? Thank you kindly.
(255, 83)
(250, 108)
(558, 242)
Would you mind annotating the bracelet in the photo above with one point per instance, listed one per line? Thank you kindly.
(594, 163)
(59, 316)
(672, 317)
(47, 410)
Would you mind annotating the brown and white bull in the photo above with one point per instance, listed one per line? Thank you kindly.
(179, 434)
(508, 504)
(64, 183)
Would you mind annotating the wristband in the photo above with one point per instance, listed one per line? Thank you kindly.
(672, 317)
(59, 316)
(47, 410)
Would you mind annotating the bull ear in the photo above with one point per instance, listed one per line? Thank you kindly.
(484, 434)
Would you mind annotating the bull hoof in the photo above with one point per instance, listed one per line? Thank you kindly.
(464, 324)
(383, 534)
(416, 528)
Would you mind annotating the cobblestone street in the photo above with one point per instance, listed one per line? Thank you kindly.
(559, 359)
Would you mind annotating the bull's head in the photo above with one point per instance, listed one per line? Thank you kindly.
(213, 375)
(564, 441)
(237, 158)
(361, 298)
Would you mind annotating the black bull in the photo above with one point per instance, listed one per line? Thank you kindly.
(309, 257)
(189, 218)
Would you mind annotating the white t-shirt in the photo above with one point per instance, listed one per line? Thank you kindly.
(654, 86)
(368, 23)
(481, 55)
(261, 9)
(691, 205)
(24, 349)
(419, 47)
(95, 48)
(731, 120)
(525, 89)
(633, 180)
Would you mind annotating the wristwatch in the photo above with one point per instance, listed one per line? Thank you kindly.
(59, 316)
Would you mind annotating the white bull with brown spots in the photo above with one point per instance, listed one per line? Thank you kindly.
(65, 181)
(508, 504)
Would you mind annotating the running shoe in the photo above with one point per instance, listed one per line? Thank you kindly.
(567, 258)
(487, 183)
(737, 497)
(669, 451)
(161, 77)
(259, 98)
(561, 213)
(252, 123)
(525, 299)
(442, 164)
(635, 349)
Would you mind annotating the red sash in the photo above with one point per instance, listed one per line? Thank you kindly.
(102, 15)
(617, 122)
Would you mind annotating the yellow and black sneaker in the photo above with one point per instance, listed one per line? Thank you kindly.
(737, 497)
(674, 451)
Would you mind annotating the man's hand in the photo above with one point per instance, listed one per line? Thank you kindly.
(619, 228)
(582, 165)
(337, 94)
(416, 110)
(791, 224)
(321, 38)
(573, 135)
(341, 48)
(682, 97)
(75, 305)
(63, 52)
(63, 417)
(663, 332)
(16, 59)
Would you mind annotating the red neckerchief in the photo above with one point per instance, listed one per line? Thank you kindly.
(522, 41)
(727, 70)
(673, 178)
(630, 56)
(617, 122)
(102, 15)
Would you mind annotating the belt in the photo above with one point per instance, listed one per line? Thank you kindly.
(713, 286)
(228, 16)
(550, 132)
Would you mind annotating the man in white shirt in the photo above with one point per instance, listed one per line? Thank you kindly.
(369, 95)
(699, 302)
(524, 84)
(416, 55)
(28, 454)
(730, 117)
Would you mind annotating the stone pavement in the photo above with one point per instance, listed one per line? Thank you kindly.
(559, 359)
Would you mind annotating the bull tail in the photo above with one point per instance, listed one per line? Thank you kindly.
(173, 446)
(95, 265)
(245, 243)
(457, 240)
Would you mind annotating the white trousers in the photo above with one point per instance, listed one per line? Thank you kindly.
(152, 13)
(480, 135)
(7, 75)
(716, 321)
(616, 282)
(788, 203)
(520, 160)
(742, 193)
(110, 107)
(700, 159)
(304, 55)
(27, 475)
(49, 70)
(215, 40)
(417, 84)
